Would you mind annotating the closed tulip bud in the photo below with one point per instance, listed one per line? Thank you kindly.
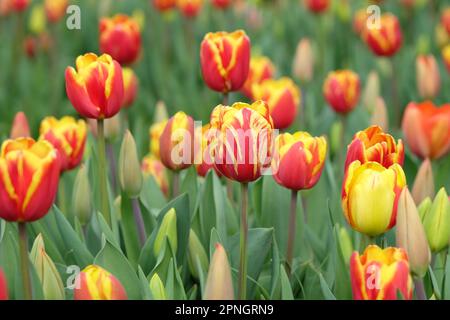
(176, 142)
(3, 286)
(360, 21)
(225, 60)
(37, 22)
(167, 231)
(261, 68)
(283, 98)
(372, 144)
(441, 36)
(157, 288)
(160, 112)
(345, 243)
(164, 5)
(427, 129)
(243, 147)
(155, 133)
(304, 60)
(81, 197)
(342, 90)
(120, 37)
(385, 39)
(298, 160)
(427, 76)
(317, 6)
(30, 46)
(445, 19)
(190, 8)
(29, 176)
(68, 136)
(371, 91)
(19, 5)
(446, 57)
(130, 86)
(410, 234)
(52, 285)
(436, 221)
(196, 255)
(20, 127)
(370, 194)
(130, 175)
(221, 4)
(152, 166)
(424, 207)
(219, 283)
(95, 88)
(423, 186)
(55, 9)
(380, 116)
(380, 274)
(98, 284)
(204, 149)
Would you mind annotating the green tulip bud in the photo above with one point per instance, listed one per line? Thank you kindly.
(160, 112)
(81, 197)
(345, 243)
(167, 230)
(437, 222)
(219, 284)
(157, 288)
(423, 186)
(196, 252)
(130, 174)
(424, 207)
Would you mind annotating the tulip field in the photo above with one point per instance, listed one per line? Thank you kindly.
(224, 150)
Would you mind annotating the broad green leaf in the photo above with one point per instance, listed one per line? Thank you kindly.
(286, 290)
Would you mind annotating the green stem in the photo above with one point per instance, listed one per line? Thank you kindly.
(102, 167)
(176, 184)
(291, 232)
(420, 289)
(242, 291)
(24, 261)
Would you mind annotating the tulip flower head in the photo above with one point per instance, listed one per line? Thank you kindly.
(95, 88)
(29, 175)
(155, 133)
(190, 8)
(55, 9)
(342, 90)
(379, 274)
(20, 5)
(427, 76)
(204, 149)
(360, 21)
(261, 68)
(298, 160)
(95, 283)
(3, 286)
(152, 166)
(130, 86)
(20, 127)
(283, 98)
(225, 60)
(164, 5)
(304, 60)
(219, 283)
(385, 39)
(445, 19)
(221, 4)
(68, 136)
(317, 6)
(427, 129)
(446, 56)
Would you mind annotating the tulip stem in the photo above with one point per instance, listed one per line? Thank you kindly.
(225, 98)
(139, 222)
(420, 289)
(291, 232)
(112, 166)
(176, 184)
(102, 170)
(242, 291)
(24, 261)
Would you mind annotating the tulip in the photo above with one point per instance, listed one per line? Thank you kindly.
(120, 37)
(167, 232)
(130, 175)
(409, 4)
(164, 5)
(261, 68)
(427, 76)
(342, 90)
(152, 166)
(157, 288)
(130, 86)
(423, 186)
(370, 194)
(371, 91)
(197, 257)
(20, 127)
(37, 20)
(385, 40)
(203, 158)
(19, 5)
(3, 286)
(30, 46)
(52, 285)
(436, 220)
(380, 274)
(177, 142)
(68, 136)
(29, 175)
(221, 4)
(155, 133)
(446, 56)
(95, 88)
(81, 198)
(190, 8)
(427, 129)
(5, 8)
(317, 6)
(55, 9)
(445, 19)
(304, 60)
(411, 236)
(360, 21)
(283, 98)
(219, 283)
(95, 283)
(225, 60)
(372, 144)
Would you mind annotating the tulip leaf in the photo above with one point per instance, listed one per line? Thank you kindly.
(286, 289)
(434, 283)
(189, 185)
(129, 230)
(325, 289)
(275, 279)
(105, 229)
(151, 195)
(9, 257)
(146, 294)
(446, 289)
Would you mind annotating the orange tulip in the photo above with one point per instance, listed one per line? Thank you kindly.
(372, 144)
(283, 98)
(95, 283)
(243, 141)
(20, 127)
(261, 68)
(342, 90)
(130, 86)
(152, 166)
(120, 37)
(446, 56)
(225, 60)
(177, 142)
(221, 4)
(95, 88)
(55, 9)
(386, 40)
(427, 76)
(68, 136)
(445, 19)
(298, 160)
(190, 8)
(164, 5)
(379, 274)
(317, 6)
(427, 129)
(3, 286)
(29, 175)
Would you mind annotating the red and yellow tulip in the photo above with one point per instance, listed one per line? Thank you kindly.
(55, 9)
(164, 5)
(203, 158)
(95, 283)
(427, 129)
(317, 6)
(190, 8)
(68, 136)
(120, 37)
(298, 160)
(29, 176)
(380, 274)
(385, 40)
(130, 86)
(152, 166)
(283, 98)
(342, 89)
(225, 60)
(261, 68)
(155, 133)
(95, 88)
(370, 194)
